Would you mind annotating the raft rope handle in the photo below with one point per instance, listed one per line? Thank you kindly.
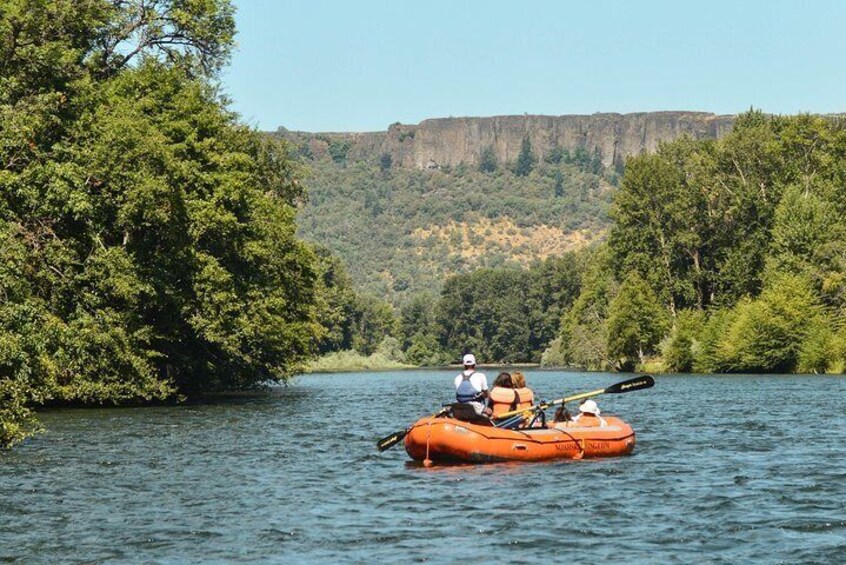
(428, 462)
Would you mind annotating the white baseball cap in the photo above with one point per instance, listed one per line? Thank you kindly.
(469, 359)
(590, 407)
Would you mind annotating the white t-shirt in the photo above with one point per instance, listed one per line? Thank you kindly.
(478, 380)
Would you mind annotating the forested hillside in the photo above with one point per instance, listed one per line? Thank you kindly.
(402, 231)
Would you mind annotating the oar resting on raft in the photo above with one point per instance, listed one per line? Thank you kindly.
(637, 383)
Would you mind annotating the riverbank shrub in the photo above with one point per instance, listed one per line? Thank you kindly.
(815, 352)
(354, 361)
(17, 419)
(767, 334)
(682, 345)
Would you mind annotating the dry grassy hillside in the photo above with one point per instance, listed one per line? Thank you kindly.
(403, 231)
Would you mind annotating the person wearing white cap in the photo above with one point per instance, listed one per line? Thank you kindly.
(589, 414)
(471, 387)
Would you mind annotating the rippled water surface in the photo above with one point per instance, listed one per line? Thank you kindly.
(726, 470)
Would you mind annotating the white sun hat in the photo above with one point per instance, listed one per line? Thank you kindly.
(469, 359)
(590, 407)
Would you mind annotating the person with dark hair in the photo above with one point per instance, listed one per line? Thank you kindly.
(503, 380)
(504, 397)
(562, 414)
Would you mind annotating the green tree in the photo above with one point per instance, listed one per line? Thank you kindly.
(486, 312)
(554, 285)
(584, 334)
(809, 238)
(418, 316)
(425, 351)
(479, 311)
(419, 331)
(596, 166)
(385, 162)
(336, 303)
(487, 160)
(338, 150)
(557, 155)
(554, 355)
(389, 348)
(525, 160)
(581, 158)
(17, 420)
(636, 322)
(558, 188)
(816, 352)
(662, 227)
(374, 321)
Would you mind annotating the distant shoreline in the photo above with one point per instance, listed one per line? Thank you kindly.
(484, 367)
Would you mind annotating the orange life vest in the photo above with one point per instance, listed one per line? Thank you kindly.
(588, 420)
(507, 399)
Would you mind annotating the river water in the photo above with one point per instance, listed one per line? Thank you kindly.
(727, 469)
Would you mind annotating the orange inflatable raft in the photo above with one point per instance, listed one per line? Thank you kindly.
(447, 440)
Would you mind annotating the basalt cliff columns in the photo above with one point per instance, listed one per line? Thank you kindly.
(440, 142)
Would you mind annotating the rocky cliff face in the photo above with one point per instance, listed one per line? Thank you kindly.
(449, 141)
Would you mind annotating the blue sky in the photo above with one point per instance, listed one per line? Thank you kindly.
(361, 65)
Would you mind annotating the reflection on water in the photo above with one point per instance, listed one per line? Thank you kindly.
(726, 470)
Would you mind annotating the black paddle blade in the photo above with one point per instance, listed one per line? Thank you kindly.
(637, 383)
(388, 442)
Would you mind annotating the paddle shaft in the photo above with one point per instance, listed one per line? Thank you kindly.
(636, 383)
(389, 441)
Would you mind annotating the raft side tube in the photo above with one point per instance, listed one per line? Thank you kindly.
(450, 440)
